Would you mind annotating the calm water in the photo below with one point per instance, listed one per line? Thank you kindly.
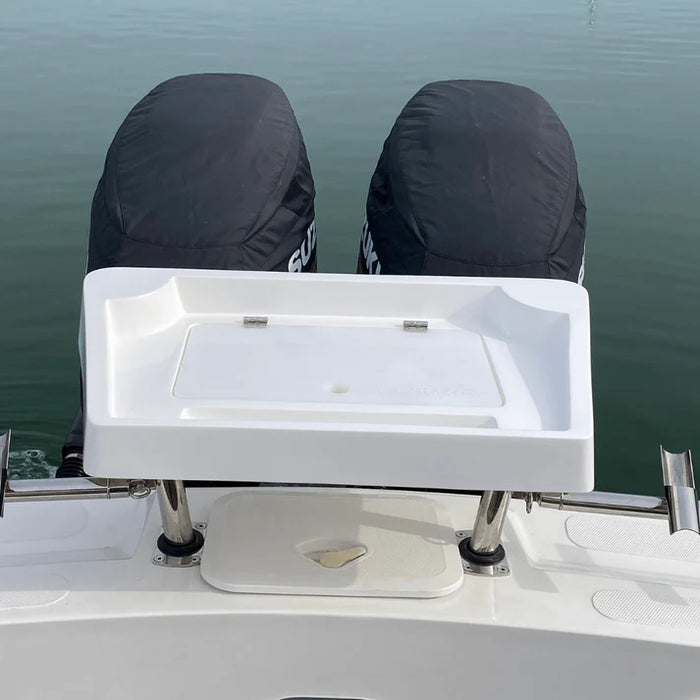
(622, 75)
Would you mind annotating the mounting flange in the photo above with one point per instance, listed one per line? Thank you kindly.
(186, 559)
(495, 564)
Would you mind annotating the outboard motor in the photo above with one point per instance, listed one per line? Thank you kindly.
(208, 172)
(476, 178)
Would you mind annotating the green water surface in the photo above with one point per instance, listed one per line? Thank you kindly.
(622, 75)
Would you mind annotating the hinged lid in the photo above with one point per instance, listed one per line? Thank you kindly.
(323, 379)
(331, 543)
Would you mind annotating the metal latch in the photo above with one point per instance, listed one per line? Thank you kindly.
(415, 326)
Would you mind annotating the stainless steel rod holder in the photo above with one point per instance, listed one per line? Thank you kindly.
(681, 497)
(490, 517)
(175, 512)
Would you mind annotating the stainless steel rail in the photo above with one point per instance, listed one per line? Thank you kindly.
(615, 504)
(490, 517)
(680, 506)
(601, 502)
(79, 488)
(175, 512)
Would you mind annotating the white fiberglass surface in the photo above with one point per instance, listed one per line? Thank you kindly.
(541, 622)
(70, 531)
(338, 364)
(181, 350)
(500, 372)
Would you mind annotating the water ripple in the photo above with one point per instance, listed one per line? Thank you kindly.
(30, 464)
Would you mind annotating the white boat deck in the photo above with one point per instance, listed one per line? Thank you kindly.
(585, 613)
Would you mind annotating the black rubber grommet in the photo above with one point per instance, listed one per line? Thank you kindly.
(172, 549)
(481, 559)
